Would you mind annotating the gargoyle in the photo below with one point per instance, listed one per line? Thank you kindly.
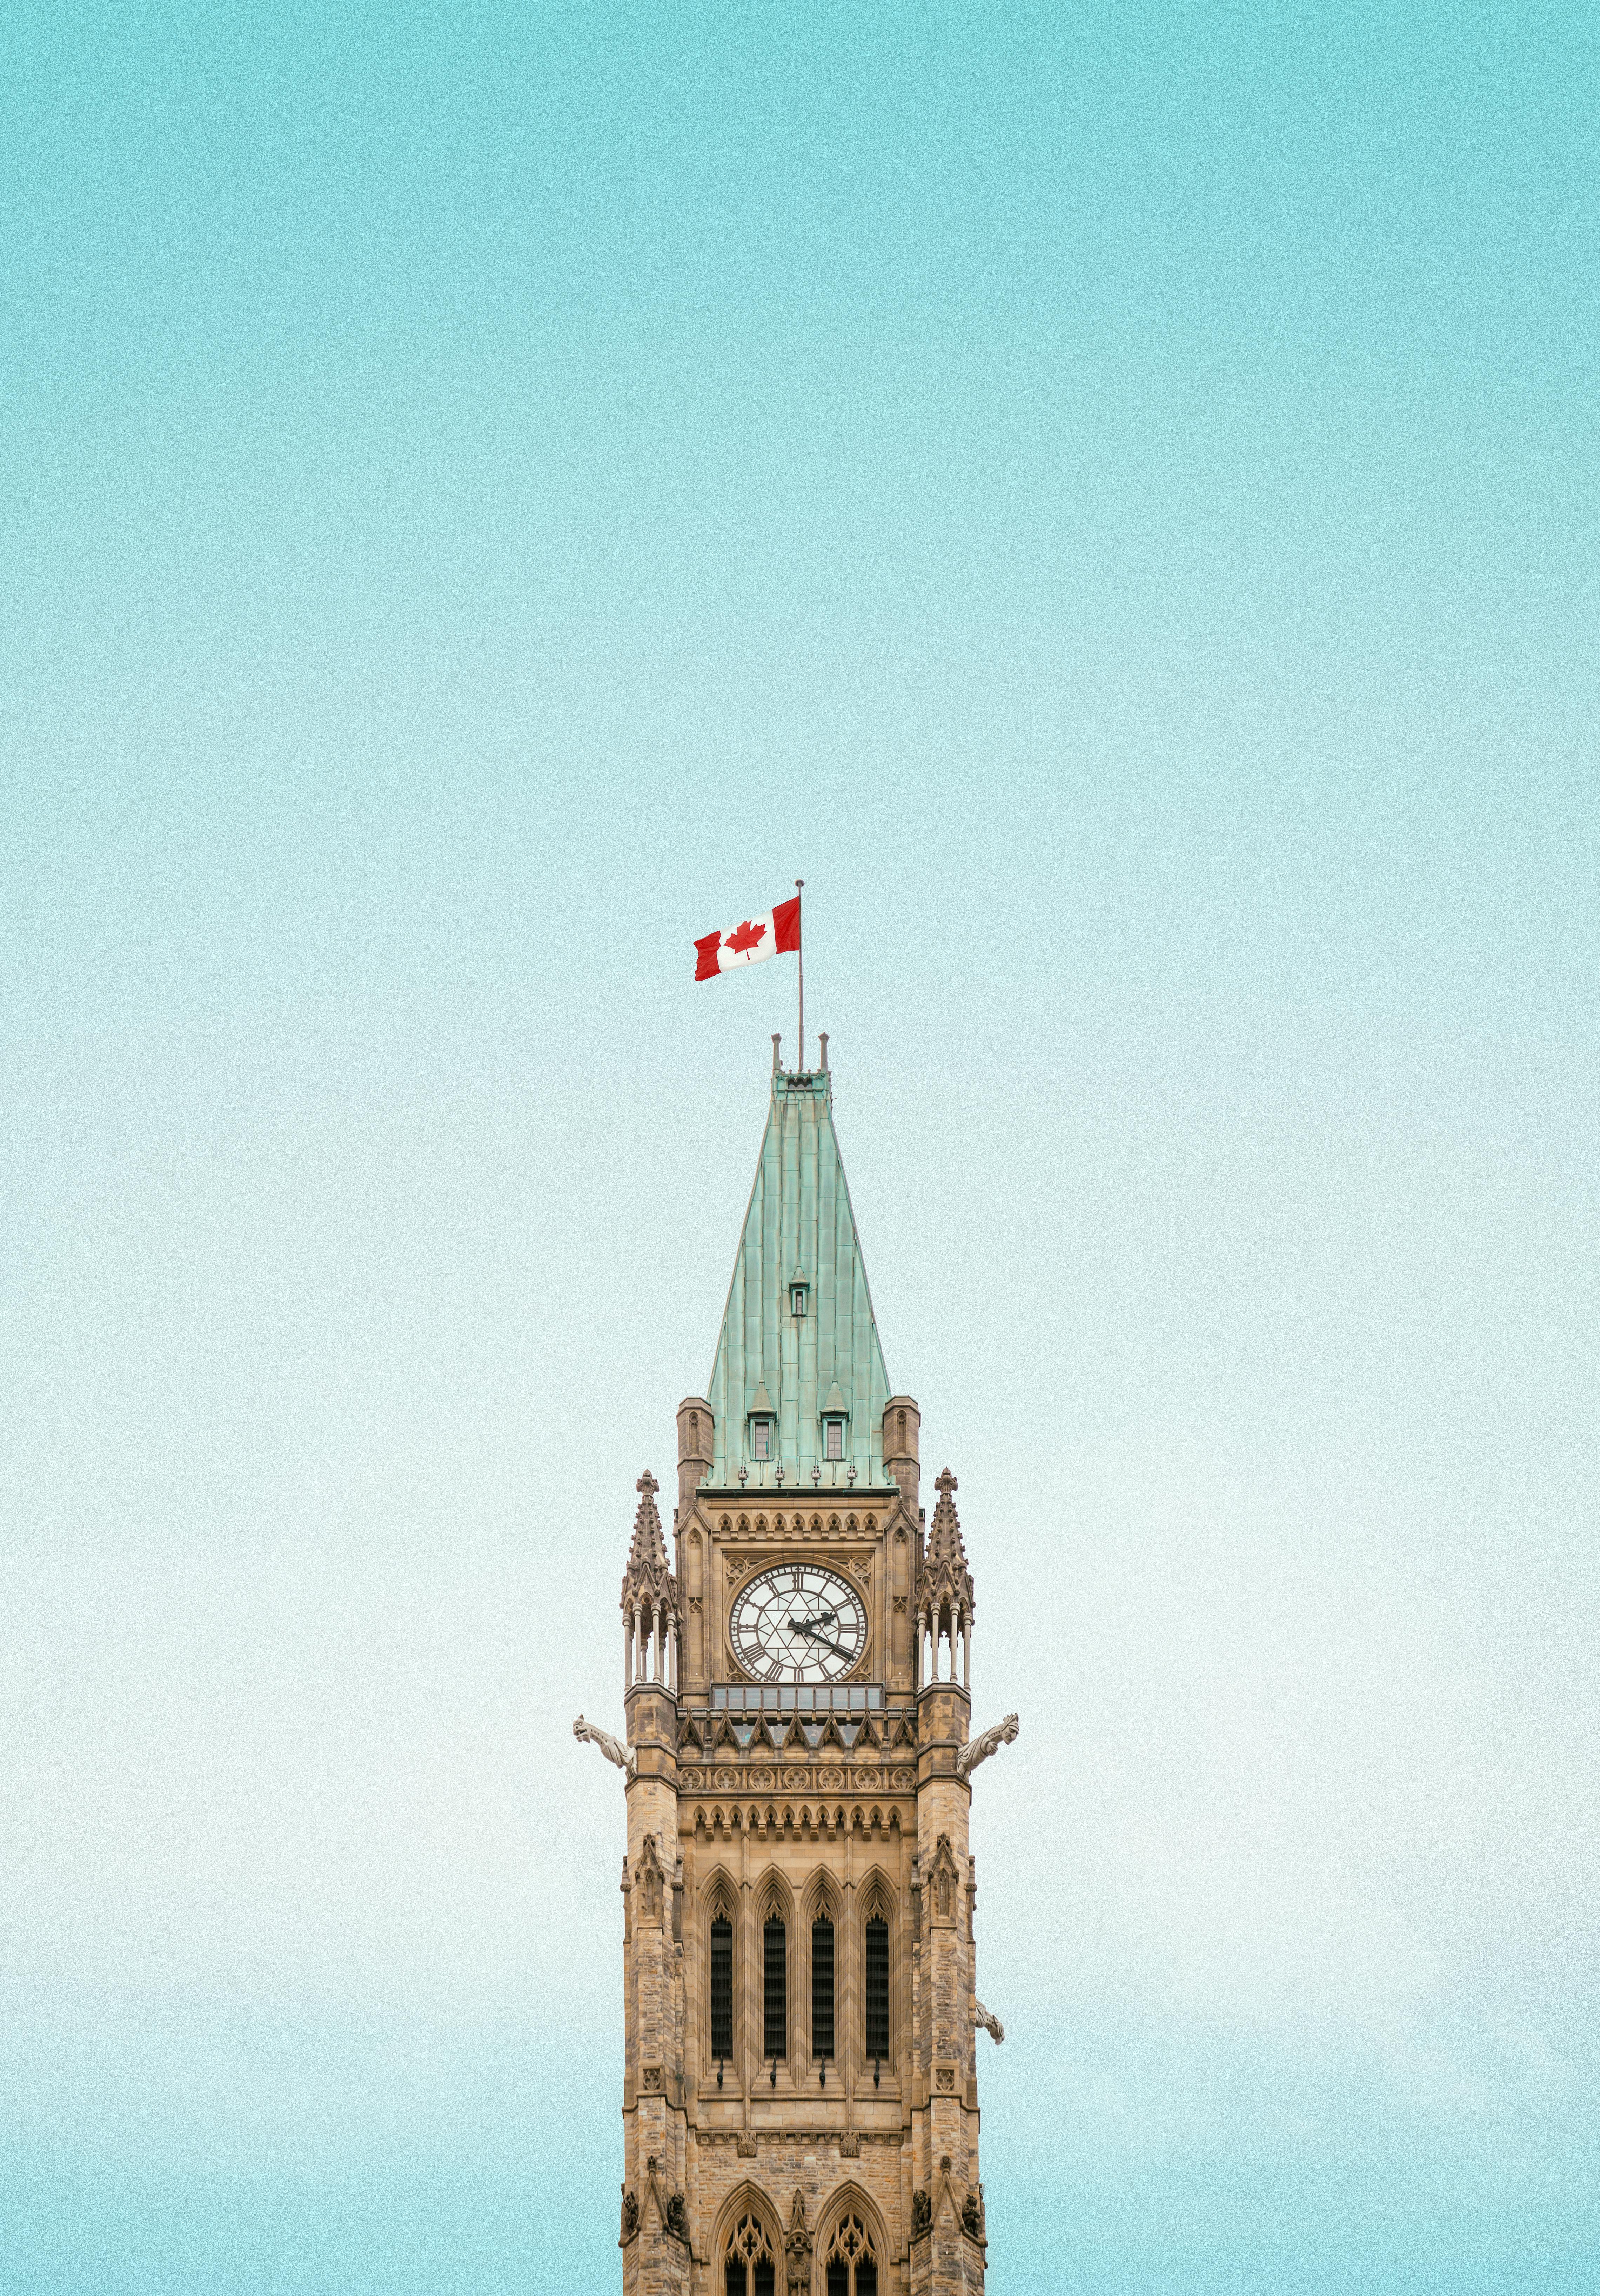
(978, 1750)
(989, 2022)
(611, 1748)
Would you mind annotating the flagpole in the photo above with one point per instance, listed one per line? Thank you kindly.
(800, 954)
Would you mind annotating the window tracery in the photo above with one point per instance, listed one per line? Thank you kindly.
(851, 2259)
(750, 2270)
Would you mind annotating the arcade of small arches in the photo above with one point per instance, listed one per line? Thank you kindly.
(801, 1731)
(651, 1638)
(798, 1526)
(940, 1625)
(796, 1819)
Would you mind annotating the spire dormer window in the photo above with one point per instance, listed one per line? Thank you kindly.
(797, 1291)
(836, 1418)
(759, 1421)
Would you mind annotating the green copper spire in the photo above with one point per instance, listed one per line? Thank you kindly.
(798, 1340)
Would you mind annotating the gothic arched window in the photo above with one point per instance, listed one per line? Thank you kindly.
(774, 1987)
(821, 1988)
(721, 1988)
(852, 2260)
(750, 2271)
(876, 2034)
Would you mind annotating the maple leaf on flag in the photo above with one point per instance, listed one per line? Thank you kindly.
(744, 937)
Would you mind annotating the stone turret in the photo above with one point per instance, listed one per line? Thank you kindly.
(903, 1431)
(695, 1425)
(656, 2252)
(947, 2243)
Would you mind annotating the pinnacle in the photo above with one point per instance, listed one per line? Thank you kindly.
(647, 1556)
(944, 1542)
(944, 1565)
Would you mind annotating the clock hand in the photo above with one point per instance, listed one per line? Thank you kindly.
(827, 1644)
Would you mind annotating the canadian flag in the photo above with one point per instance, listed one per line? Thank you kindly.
(772, 934)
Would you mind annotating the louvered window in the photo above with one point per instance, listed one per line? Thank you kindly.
(821, 1990)
(722, 1989)
(774, 1991)
(878, 1990)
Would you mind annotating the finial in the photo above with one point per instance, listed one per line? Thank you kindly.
(743, 1472)
(781, 1471)
(816, 1472)
(776, 1041)
(851, 1477)
(646, 1482)
(822, 1040)
(946, 1482)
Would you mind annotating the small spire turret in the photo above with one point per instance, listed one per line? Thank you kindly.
(649, 1597)
(946, 1601)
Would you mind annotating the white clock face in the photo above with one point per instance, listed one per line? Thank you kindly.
(798, 1624)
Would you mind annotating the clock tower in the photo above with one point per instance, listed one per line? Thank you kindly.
(800, 2105)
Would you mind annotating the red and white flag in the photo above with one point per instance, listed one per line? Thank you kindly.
(772, 934)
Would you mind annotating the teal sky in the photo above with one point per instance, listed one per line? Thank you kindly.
(1109, 499)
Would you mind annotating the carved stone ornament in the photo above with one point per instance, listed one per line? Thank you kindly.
(850, 2146)
(978, 1750)
(676, 2219)
(944, 2075)
(796, 2243)
(614, 1750)
(972, 2215)
(989, 2022)
(944, 1879)
(649, 1877)
(922, 2216)
(629, 2217)
(650, 2080)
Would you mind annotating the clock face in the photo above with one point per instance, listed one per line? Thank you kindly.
(798, 1624)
